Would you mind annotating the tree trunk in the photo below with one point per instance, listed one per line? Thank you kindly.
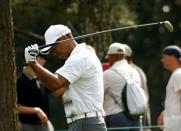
(8, 116)
(95, 18)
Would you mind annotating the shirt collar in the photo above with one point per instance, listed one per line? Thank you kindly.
(120, 62)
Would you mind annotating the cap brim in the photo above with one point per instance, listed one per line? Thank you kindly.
(46, 50)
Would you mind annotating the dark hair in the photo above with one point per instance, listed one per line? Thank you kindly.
(172, 50)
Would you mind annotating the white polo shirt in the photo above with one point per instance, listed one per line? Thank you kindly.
(172, 112)
(84, 72)
(114, 83)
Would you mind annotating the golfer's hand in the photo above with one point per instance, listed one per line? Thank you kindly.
(42, 116)
(31, 53)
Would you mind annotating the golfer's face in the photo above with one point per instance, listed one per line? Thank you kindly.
(111, 59)
(60, 50)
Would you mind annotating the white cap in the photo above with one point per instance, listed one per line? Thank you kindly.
(116, 48)
(53, 33)
(128, 50)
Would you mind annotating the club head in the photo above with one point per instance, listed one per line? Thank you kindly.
(167, 25)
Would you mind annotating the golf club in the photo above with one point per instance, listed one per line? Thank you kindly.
(166, 24)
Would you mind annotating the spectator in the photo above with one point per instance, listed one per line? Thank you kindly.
(128, 56)
(114, 82)
(33, 108)
(80, 79)
(170, 117)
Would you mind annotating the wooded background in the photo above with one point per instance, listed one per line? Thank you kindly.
(32, 18)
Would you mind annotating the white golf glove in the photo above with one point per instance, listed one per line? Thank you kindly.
(31, 53)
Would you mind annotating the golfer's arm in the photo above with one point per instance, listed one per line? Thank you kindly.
(50, 80)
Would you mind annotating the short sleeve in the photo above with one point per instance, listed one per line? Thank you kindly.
(107, 76)
(177, 81)
(72, 69)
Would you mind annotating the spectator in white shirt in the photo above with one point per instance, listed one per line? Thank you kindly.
(114, 84)
(170, 117)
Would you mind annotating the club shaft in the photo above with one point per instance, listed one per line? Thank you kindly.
(116, 29)
(100, 32)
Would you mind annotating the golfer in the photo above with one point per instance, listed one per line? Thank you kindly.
(79, 80)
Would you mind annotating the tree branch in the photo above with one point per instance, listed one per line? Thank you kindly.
(28, 34)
